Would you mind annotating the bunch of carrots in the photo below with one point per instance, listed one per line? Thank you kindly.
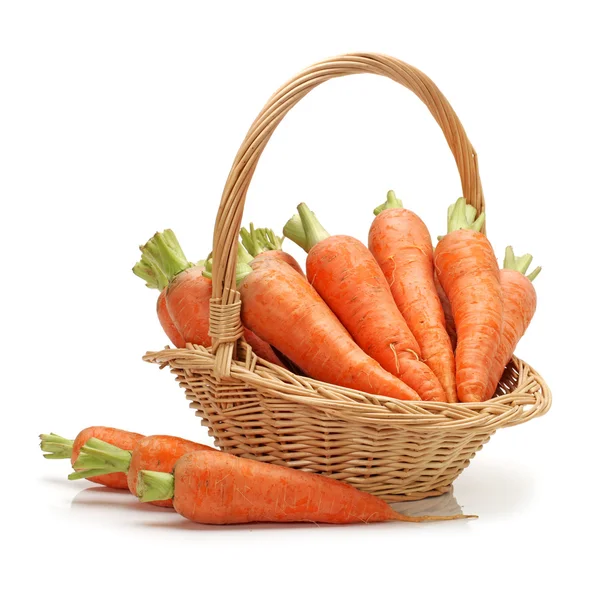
(397, 317)
(212, 487)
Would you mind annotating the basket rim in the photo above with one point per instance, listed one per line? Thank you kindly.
(528, 397)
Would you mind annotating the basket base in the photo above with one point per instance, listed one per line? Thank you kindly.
(390, 498)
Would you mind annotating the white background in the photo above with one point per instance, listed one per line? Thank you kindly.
(118, 119)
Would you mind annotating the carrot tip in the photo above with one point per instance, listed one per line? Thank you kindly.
(152, 486)
(55, 446)
(426, 518)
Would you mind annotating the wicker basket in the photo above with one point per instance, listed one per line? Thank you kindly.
(396, 450)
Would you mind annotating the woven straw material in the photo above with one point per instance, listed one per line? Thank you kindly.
(397, 450)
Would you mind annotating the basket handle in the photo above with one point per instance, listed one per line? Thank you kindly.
(225, 323)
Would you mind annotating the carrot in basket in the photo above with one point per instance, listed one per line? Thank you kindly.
(263, 244)
(217, 489)
(285, 310)
(448, 318)
(153, 452)
(468, 271)
(401, 244)
(187, 293)
(58, 447)
(519, 302)
(346, 275)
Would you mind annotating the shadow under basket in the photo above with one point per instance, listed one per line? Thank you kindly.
(393, 449)
(397, 450)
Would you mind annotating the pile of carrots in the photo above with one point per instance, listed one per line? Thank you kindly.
(212, 487)
(397, 317)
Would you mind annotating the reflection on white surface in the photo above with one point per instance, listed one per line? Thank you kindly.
(444, 505)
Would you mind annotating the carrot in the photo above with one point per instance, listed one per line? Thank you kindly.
(401, 244)
(519, 302)
(448, 318)
(153, 452)
(263, 244)
(58, 447)
(347, 276)
(468, 271)
(158, 272)
(217, 489)
(187, 293)
(280, 306)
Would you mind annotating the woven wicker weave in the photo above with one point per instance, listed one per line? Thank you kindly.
(396, 450)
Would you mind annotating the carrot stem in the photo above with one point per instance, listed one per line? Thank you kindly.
(242, 267)
(256, 241)
(55, 446)
(462, 216)
(520, 263)
(152, 486)
(99, 456)
(314, 231)
(162, 259)
(293, 230)
(391, 202)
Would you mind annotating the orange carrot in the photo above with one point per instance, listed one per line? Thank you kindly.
(153, 452)
(448, 318)
(469, 274)
(401, 244)
(519, 302)
(187, 292)
(217, 489)
(284, 309)
(263, 244)
(58, 447)
(347, 276)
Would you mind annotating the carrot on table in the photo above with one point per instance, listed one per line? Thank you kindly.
(58, 447)
(346, 275)
(468, 272)
(153, 452)
(280, 306)
(263, 244)
(519, 302)
(187, 291)
(217, 489)
(401, 244)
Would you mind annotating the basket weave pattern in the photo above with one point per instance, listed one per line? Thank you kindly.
(394, 449)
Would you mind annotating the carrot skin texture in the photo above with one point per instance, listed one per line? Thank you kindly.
(401, 244)
(187, 298)
(313, 337)
(159, 453)
(126, 440)
(277, 255)
(519, 304)
(216, 488)
(188, 302)
(347, 276)
(448, 318)
(469, 274)
(167, 322)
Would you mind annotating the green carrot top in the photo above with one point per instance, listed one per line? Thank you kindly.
(520, 263)
(462, 216)
(391, 202)
(260, 240)
(305, 229)
(162, 259)
(242, 267)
